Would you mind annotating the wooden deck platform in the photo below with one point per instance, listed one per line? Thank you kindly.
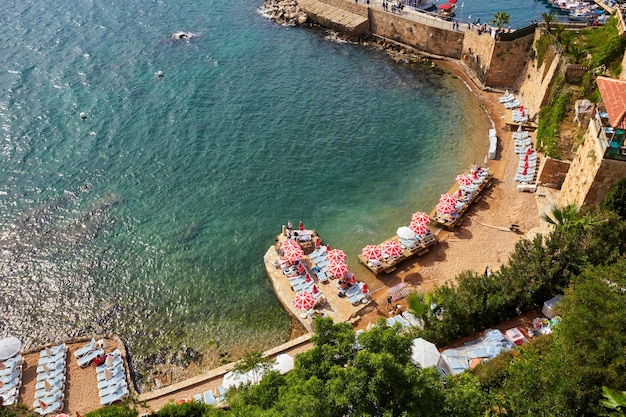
(388, 266)
(339, 309)
(450, 225)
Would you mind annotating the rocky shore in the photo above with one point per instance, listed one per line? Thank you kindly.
(285, 12)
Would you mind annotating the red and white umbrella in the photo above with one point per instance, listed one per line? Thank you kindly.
(338, 269)
(464, 179)
(420, 217)
(448, 199)
(371, 252)
(443, 208)
(303, 300)
(335, 255)
(293, 253)
(392, 248)
(289, 243)
(419, 228)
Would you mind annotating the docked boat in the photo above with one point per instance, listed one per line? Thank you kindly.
(446, 10)
(423, 4)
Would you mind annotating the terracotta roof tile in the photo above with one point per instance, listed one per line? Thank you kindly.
(613, 94)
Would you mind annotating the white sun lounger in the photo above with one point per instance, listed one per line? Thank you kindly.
(102, 376)
(53, 350)
(43, 393)
(85, 349)
(222, 393)
(17, 360)
(51, 375)
(13, 384)
(16, 374)
(57, 396)
(45, 408)
(198, 398)
(113, 381)
(51, 366)
(209, 397)
(86, 359)
(411, 318)
(112, 389)
(10, 397)
(356, 298)
(57, 380)
(119, 394)
(52, 360)
(402, 320)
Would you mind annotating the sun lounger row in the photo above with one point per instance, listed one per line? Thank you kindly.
(512, 104)
(50, 386)
(11, 378)
(406, 319)
(507, 97)
(209, 397)
(355, 294)
(520, 134)
(111, 376)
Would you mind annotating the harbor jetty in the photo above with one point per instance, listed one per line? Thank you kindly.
(461, 196)
(332, 293)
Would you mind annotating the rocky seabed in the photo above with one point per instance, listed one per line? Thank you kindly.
(285, 12)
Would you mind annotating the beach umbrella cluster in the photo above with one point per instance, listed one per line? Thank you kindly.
(371, 252)
(446, 204)
(337, 269)
(303, 300)
(292, 251)
(419, 223)
(392, 248)
(464, 180)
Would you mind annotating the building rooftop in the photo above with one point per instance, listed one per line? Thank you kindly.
(613, 94)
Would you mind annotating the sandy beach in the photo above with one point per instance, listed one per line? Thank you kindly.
(482, 239)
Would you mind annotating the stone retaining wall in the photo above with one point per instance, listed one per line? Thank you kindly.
(436, 41)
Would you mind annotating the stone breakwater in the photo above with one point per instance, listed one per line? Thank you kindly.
(285, 12)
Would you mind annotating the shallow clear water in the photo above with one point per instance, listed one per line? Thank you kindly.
(150, 217)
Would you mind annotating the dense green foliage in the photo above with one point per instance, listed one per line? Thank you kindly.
(501, 19)
(604, 44)
(123, 410)
(616, 199)
(537, 270)
(562, 374)
(550, 118)
(18, 410)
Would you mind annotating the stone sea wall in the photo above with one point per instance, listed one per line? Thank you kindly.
(285, 12)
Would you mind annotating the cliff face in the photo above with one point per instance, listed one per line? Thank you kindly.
(536, 81)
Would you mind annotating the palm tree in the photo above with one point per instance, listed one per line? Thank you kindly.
(562, 217)
(501, 19)
(577, 53)
(548, 18)
(566, 218)
(419, 305)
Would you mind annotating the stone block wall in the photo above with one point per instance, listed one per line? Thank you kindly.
(508, 62)
(437, 41)
(477, 53)
(590, 176)
(349, 6)
(534, 89)
(553, 173)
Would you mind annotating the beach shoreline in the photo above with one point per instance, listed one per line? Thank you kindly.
(480, 240)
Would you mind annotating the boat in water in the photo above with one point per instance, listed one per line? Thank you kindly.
(423, 4)
(446, 10)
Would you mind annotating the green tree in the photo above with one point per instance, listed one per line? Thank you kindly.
(563, 217)
(253, 362)
(614, 401)
(501, 19)
(548, 18)
(616, 199)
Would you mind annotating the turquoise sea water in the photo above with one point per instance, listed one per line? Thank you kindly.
(150, 218)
